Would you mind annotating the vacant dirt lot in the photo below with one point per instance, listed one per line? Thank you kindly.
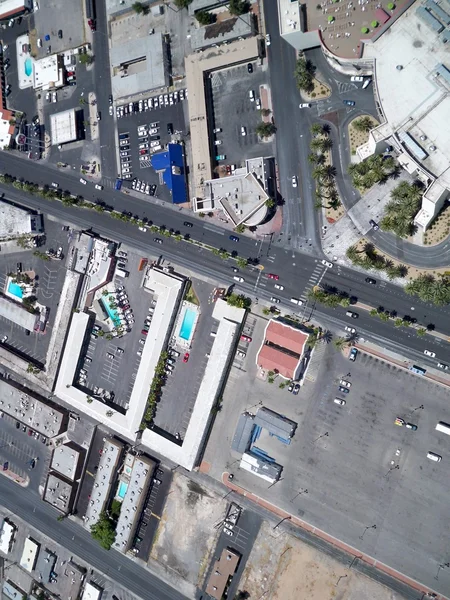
(186, 535)
(283, 568)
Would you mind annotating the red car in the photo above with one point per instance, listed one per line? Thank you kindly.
(143, 151)
(246, 338)
(186, 357)
(144, 332)
(273, 276)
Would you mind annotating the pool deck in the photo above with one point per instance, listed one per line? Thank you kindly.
(179, 341)
(25, 81)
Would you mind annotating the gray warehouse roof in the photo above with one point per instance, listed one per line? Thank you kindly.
(17, 314)
(275, 423)
(44, 566)
(144, 62)
(242, 435)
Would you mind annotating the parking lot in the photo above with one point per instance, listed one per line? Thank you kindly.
(49, 278)
(182, 385)
(350, 467)
(233, 109)
(112, 364)
(52, 18)
(146, 127)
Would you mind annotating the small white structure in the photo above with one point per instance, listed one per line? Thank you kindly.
(47, 73)
(92, 592)
(29, 555)
(63, 127)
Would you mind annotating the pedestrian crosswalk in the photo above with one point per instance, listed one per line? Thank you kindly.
(315, 278)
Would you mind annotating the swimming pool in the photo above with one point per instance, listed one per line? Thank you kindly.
(112, 312)
(28, 66)
(122, 489)
(15, 289)
(187, 324)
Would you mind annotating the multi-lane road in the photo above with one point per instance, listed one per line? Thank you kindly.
(298, 271)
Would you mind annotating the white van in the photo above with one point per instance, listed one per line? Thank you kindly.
(296, 301)
(251, 95)
(434, 456)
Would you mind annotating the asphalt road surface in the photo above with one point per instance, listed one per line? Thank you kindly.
(27, 505)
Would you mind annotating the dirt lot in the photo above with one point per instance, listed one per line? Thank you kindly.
(281, 567)
(186, 535)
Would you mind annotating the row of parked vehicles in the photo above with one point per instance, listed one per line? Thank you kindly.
(151, 103)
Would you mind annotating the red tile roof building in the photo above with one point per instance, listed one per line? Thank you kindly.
(282, 349)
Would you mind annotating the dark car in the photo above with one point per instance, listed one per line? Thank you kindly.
(343, 390)
(296, 389)
(374, 225)
(371, 280)
(60, 34)
(169, 128)
(110, 100)
(17, 425)
(157, 240)
(187, 224)
(411, 426)
(234, 238)
(250, 68)
(349, 102)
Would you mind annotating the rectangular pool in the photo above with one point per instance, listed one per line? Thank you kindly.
(112, 312)
(15, 289)
(122, 489)
(187, 324)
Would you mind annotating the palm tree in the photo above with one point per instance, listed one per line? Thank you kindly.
(316, 129)
(328, 172)
(318, 173)
(340, 343)
(352, 253)
(327, 144)
(326, 129)
(316, 145)
(364, 124)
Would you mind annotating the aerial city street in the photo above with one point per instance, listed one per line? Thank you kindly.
(224, 292)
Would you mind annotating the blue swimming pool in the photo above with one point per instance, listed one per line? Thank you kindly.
(28, 66)
(15, 289)
(187, 324)
(122, 489)
(112, 312)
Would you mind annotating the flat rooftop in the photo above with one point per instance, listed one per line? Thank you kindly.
(65, 460)
(39, 416)
(15, 221)
(59, 492)
(197, 65)
(421, 102)
(226, 29)
(63, 127)
(138, 64)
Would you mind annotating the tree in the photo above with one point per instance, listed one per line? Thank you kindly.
(182, 3)
(103, 531)
(242, 263)
(340, 343)
(265, 112)
(238, 7)
(270, 203)
(326, 144)
(265, 130)
(86, 59)
(239, 301)
(139, 8)
(240, 228)
(304, 74)
(316, 129)
(364, 124)
(204, 17)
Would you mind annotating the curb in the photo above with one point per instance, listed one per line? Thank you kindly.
(354, 552)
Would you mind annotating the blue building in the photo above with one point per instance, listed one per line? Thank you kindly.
(171, 163)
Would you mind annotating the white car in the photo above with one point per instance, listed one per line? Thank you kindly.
(345, 383)
(258, 104)
(267, 39)
(304, 105)
(54, 97)
(277, 286)
(4, 339)
(357, 78)
(243, 130)
(251, 95)
(276, 300)
(350, 329)
(326, 263)
(144, 229)
(429, 353)
(54, 184)
(111, 111)
(35, 5)
(98, 186)
(294, 181)
(237, 278)
(339, 401)
(83, 181)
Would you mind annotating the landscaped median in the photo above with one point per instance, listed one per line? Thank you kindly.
(68, 199)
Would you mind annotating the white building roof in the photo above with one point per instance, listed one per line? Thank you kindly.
(65, 461)
(131, 506)
(5, 131)
(17, 314)
(186, 455)
(414, 97)
(14, 221)
(10, 7)
(6, 536)
(91, 592)
(105, 476)
(47, 73)
(29, 555)
(63, 127)
(289, 16)
(167, 288)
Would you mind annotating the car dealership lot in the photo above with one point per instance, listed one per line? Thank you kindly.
(360, 469)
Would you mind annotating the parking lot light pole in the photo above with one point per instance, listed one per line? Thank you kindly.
(392, 469)
(326, 434)
(299, 494)
(368, 527)
(439, 568)
(282, 521)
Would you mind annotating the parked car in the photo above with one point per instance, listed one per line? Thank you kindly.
(429, 353)
(327, 263)
(353, 354)
(349, 102)
(186, 357)
(339, 401)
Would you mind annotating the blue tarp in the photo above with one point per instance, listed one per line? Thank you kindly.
(171, 163)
